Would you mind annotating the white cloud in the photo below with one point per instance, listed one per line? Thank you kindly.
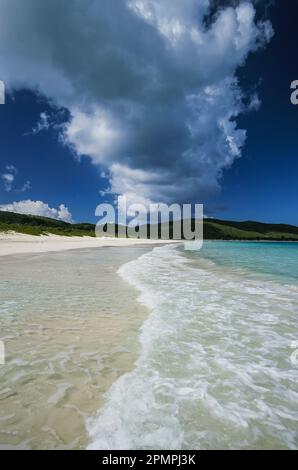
(8, 179)
(42, 124)
(38, 208)
(26, 186)
(150, 85)
(95, 135)
(11, 168)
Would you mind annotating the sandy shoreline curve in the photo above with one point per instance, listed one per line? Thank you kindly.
(19, 243)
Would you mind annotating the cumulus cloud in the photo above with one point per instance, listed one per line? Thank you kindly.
(96, 136)
(150, 84)
(38, 208)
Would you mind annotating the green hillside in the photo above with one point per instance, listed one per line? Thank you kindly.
(214, 229)
(230, 230)
(37, 225)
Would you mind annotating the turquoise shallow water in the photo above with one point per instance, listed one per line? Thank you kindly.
(277, 260)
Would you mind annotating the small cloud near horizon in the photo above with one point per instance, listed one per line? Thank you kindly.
(40, 208)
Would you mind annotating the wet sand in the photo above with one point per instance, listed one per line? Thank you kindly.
(70, 326)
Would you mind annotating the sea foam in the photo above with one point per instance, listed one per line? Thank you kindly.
(214, 369)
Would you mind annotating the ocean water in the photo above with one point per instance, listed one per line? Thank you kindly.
(217, 365)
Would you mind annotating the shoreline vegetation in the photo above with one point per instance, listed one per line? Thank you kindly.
(214, 229)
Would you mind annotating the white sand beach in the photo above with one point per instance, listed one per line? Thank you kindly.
(19, 243)
(70, 325)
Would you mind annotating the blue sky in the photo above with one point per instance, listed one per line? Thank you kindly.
(162, 119)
